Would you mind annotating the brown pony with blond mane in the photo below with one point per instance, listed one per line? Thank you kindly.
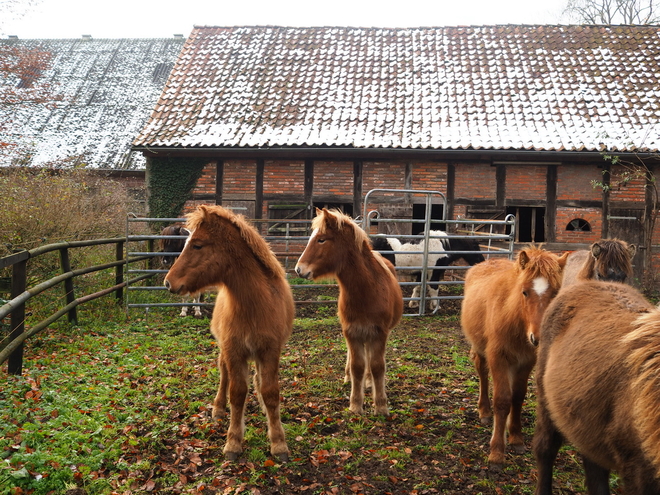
(608, 260)
(370, 299)
(501, 315)
(598, 387)
(252, 318)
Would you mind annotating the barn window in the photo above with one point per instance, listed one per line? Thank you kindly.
(530, 223)
(578, 225)
(286, 219)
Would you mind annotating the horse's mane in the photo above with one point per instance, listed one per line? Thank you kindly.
(343, 221)
(644, 360)
(260, 248)
(537, 262)
(611, 253)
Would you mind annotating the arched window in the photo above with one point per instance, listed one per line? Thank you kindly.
(578, 225)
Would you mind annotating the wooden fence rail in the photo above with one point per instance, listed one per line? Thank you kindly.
(20, 293)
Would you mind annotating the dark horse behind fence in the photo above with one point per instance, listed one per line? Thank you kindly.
(443, 251)
(370, 299)
(252, 318)
(598, 387)
(175, 246)
(501, 317)
(608, 260)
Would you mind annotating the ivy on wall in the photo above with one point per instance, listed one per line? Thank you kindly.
(170, 182)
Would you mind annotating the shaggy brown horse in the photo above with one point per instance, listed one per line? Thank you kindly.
(609, 260)
(370, 299)
(598, 386)
(501, 316)
(252, 318)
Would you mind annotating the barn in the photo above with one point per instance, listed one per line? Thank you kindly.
(557, 125)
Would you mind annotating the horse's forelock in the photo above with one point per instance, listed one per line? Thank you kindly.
(213, 215)
(343, 221)
(542, 263)
(614, 253)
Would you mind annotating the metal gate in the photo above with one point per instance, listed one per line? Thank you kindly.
(496, 240)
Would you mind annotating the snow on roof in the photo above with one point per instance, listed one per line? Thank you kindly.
(109, 87)
(556, 88)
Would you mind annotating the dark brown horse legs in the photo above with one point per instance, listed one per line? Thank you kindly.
(519, 390)
(220, 401)
(376, 354)
(238, 389)
(483, 405)
(597, 478)
(267, 381)
(547, 441)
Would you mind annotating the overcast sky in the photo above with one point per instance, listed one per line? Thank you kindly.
(164, 18)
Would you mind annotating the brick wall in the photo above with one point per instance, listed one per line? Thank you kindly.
(206, 183)
(526, 182)
(282, 177)
(334, 179)
(240, 177)
(475, 181)
(430, 176)
(377, 175)
(574, 182)
(633, 191)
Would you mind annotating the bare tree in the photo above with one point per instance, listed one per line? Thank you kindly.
(613, 11)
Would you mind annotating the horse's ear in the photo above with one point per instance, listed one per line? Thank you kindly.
(596, 250)
(523, 259)
(562, 259)
(632, 250)
(318, 211)
(330, 220)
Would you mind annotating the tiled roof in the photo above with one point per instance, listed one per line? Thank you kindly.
(492, 87)
(109, 86)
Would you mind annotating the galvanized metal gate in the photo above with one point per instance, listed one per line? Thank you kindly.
(496, 238)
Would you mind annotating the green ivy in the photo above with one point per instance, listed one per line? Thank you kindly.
(170, 183)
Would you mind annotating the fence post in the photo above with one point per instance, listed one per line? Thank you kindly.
(18, 285)
(119, 271)
(68, 285)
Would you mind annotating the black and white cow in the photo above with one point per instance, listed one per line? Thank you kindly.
(442, 252)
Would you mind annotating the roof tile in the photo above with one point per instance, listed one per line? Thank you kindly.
(484, 87)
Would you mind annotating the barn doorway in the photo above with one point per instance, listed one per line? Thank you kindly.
(530, 223)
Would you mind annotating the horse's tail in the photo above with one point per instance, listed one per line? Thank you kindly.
(644, 360)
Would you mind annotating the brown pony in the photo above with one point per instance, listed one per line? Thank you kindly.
(598, 386)
(252, 318)
(501, 316)
(370, 299)
(609, 260)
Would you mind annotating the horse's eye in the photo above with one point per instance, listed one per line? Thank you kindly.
(321, 241)
(196, 246)
(525, 293)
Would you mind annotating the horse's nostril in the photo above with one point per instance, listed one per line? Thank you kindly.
(167, 284)
(533, 340)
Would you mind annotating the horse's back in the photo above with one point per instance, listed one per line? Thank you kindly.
(486, 288)
(574, 264)
(581, 368)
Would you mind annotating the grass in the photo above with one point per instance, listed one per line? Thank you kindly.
(121, 404)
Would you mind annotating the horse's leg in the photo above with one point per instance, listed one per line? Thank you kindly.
(220, 401)
(598, 479)
(197, 309)
(416, 292)
(483, 405)
(184, 311)
(518, 393)
(375, 351)
(501, 410)
(546, 444)
(347, 368)
(269, 393)
(238, 370)
(357, 360)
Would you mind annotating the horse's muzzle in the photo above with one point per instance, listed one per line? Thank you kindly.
(171, 288)
(302, 272)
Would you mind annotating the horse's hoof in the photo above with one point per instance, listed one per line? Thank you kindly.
(519, 448)
(495, 467)
(283, 457)
(486, 420)
(232, 456)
